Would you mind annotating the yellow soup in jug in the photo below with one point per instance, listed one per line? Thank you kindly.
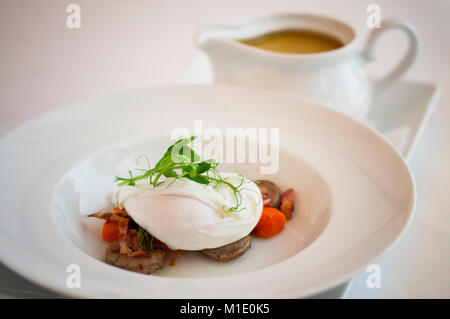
(294, 41)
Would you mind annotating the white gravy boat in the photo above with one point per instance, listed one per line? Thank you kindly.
(334, 78)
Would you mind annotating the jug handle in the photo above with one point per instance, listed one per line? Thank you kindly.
(367, 54)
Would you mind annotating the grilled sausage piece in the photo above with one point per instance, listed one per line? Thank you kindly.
(271, 193)
(230, 251)
(146, 264)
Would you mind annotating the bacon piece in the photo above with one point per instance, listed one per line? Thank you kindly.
(287, 203)
(136, 253)
(123, 229)
(133, 244)
(132, 240)
(112, 215)
(128, 237)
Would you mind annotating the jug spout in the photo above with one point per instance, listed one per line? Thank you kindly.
(218, 43)
(216, 37)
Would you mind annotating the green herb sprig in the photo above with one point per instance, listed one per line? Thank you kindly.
(144, 240)
(181, 161)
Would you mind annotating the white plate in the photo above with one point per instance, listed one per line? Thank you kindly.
(356, 193)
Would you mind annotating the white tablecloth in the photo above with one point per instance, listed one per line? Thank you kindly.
(124, 44)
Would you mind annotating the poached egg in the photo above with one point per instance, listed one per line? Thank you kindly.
(188, 215)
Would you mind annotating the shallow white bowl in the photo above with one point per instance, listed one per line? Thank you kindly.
(355, 193)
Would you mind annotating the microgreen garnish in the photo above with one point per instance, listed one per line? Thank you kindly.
(144, 240)
(180, 161)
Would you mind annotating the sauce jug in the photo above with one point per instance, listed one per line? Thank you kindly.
(335, 78)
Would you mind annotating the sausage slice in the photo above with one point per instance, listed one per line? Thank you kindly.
(271, 193)
(230, 251)
(146, 264)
